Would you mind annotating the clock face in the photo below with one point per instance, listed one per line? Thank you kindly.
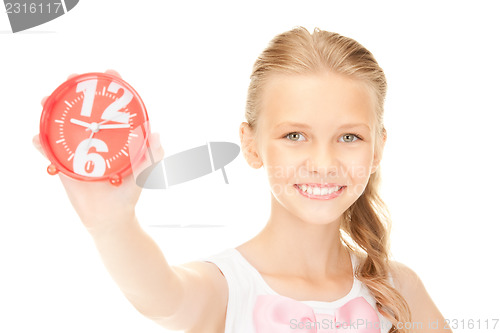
(88, 125)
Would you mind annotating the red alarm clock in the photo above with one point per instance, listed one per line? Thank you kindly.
(88, 125)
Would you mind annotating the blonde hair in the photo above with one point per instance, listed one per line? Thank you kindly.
(365, 225)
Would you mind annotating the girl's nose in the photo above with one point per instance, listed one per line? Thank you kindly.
(323, 161)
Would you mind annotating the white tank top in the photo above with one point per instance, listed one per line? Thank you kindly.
(245, 284)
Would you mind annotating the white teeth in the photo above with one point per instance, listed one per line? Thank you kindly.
(334, 189)
(318, 190)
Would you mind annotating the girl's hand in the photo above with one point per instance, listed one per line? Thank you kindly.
(100, 204)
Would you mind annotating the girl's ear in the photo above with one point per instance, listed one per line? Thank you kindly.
(378, 157)
(249, 146)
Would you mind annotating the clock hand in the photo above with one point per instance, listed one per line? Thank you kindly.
(90, 140)
(99, 126)
(79, 122)
(105, 121)
(111, 126)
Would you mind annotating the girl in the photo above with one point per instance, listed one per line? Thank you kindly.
(321, 264)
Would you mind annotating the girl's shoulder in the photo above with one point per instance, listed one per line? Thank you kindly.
(405, 279)
(411, 287)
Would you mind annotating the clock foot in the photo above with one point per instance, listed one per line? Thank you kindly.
(115, 180)
(52, 170)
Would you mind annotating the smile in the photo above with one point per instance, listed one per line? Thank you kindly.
(315, 191)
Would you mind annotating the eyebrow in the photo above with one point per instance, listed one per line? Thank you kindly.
(293, 124)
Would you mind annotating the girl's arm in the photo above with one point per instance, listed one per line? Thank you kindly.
(187, 297)
(426, 317)
(192, 296)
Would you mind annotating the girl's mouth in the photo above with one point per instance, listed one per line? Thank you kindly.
(315, 191)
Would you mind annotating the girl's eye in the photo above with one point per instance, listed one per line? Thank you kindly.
(293, 136)
(350, 137)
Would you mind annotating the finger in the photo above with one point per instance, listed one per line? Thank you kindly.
(154, 153)
(113, 72)
(44, 100)
(38, 146)
(72, 76)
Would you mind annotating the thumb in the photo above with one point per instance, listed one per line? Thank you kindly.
(154, 154)
(155, 144)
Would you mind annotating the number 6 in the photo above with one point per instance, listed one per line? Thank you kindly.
(83, 158)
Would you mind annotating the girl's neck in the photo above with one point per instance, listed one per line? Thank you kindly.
(288, 246)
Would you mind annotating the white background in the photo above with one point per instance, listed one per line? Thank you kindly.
(191, 63)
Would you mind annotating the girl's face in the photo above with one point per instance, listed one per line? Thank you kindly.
(314, 132)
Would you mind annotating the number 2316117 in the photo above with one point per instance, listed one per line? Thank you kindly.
(473, 324)
(33, 8)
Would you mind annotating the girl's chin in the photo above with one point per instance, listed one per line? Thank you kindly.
(319, 219)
